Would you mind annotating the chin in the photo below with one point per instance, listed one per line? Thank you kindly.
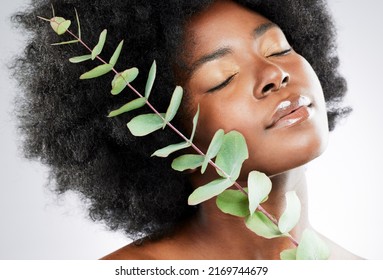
(299, 155)
(296, 150)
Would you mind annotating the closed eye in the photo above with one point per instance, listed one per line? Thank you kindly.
(223, 84)
(284, 52)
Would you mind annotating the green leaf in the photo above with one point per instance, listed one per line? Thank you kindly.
(187, 162)
(122, 79)
(259, 188)
(60, 25)
(78, 59)
(78, 24)
(233, 202)
(262, 226)
(132, 105)
(145, 124)
(292, 213)
(232, 154)
(100, 45)
(209, 190)
(150, 80)
(65, 43)
(195, 121)
(116, 54)
(289, 254)
(174, 104)
(312, 247)
(97, 71)
(213, 149)
(164, 152)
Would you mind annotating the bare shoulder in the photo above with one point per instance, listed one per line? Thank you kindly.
(160, 249)
(132, 251)
(340, 253)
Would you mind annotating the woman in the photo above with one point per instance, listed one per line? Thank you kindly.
(244, 64)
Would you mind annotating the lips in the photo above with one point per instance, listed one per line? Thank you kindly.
(291, 111)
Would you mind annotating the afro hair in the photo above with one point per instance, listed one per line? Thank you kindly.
(63, 120)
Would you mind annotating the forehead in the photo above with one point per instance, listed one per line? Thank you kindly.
(218, 25)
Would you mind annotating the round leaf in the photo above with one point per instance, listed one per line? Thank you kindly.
(232, 154)
(195, 121)
(150, 80)
(122, 79)
(78, 59)
(97, 71)
(262, 226)
(233, 202)
(60, 25)
(259, 188)
(208, 191)
(145, 124)
(187, 162)
(164, 152)
(292, 213)
(312, 247)
(174, 104)
(289, 254)
(100, 45)
(116, 54)
(132, 105)
(213, 149)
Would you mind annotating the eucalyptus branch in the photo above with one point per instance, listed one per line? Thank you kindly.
(229, 150)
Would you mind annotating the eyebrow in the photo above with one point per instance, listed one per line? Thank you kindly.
(223, 51)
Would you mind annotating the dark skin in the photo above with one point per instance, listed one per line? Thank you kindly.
(243, 75)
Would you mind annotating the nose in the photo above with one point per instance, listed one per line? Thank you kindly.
(270, 78)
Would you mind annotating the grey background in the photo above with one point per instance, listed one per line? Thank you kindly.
(345, 187)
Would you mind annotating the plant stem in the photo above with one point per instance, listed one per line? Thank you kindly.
(236, 184)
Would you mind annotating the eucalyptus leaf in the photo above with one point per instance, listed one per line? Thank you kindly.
(120, 80)
(63, 27)
(132, 105)
(78, 24)
(100, 45)
(164, 152)
(188, 161)
(262, 226)
(65, 43)
(60, 25)
(145, 124)
(78, 59)
(259, 188)
(175, 103)
(150, 80)
(232, 154)
(233, 202)
(312, 247)
(213, 149)
(289, 254)
(291, 215)
(195, 121)
(97, 71)
(209, 190)
(116, 54)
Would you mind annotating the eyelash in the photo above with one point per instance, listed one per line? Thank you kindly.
(284, 52)
(223, 84)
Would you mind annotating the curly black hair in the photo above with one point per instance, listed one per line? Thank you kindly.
(63, 120)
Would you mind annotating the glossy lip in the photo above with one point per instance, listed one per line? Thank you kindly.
(293, 110)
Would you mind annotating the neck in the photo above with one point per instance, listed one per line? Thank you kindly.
(229, 234)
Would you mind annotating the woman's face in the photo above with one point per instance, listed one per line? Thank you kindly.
(246, 77)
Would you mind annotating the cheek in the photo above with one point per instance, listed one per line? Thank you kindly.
(227, 114)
